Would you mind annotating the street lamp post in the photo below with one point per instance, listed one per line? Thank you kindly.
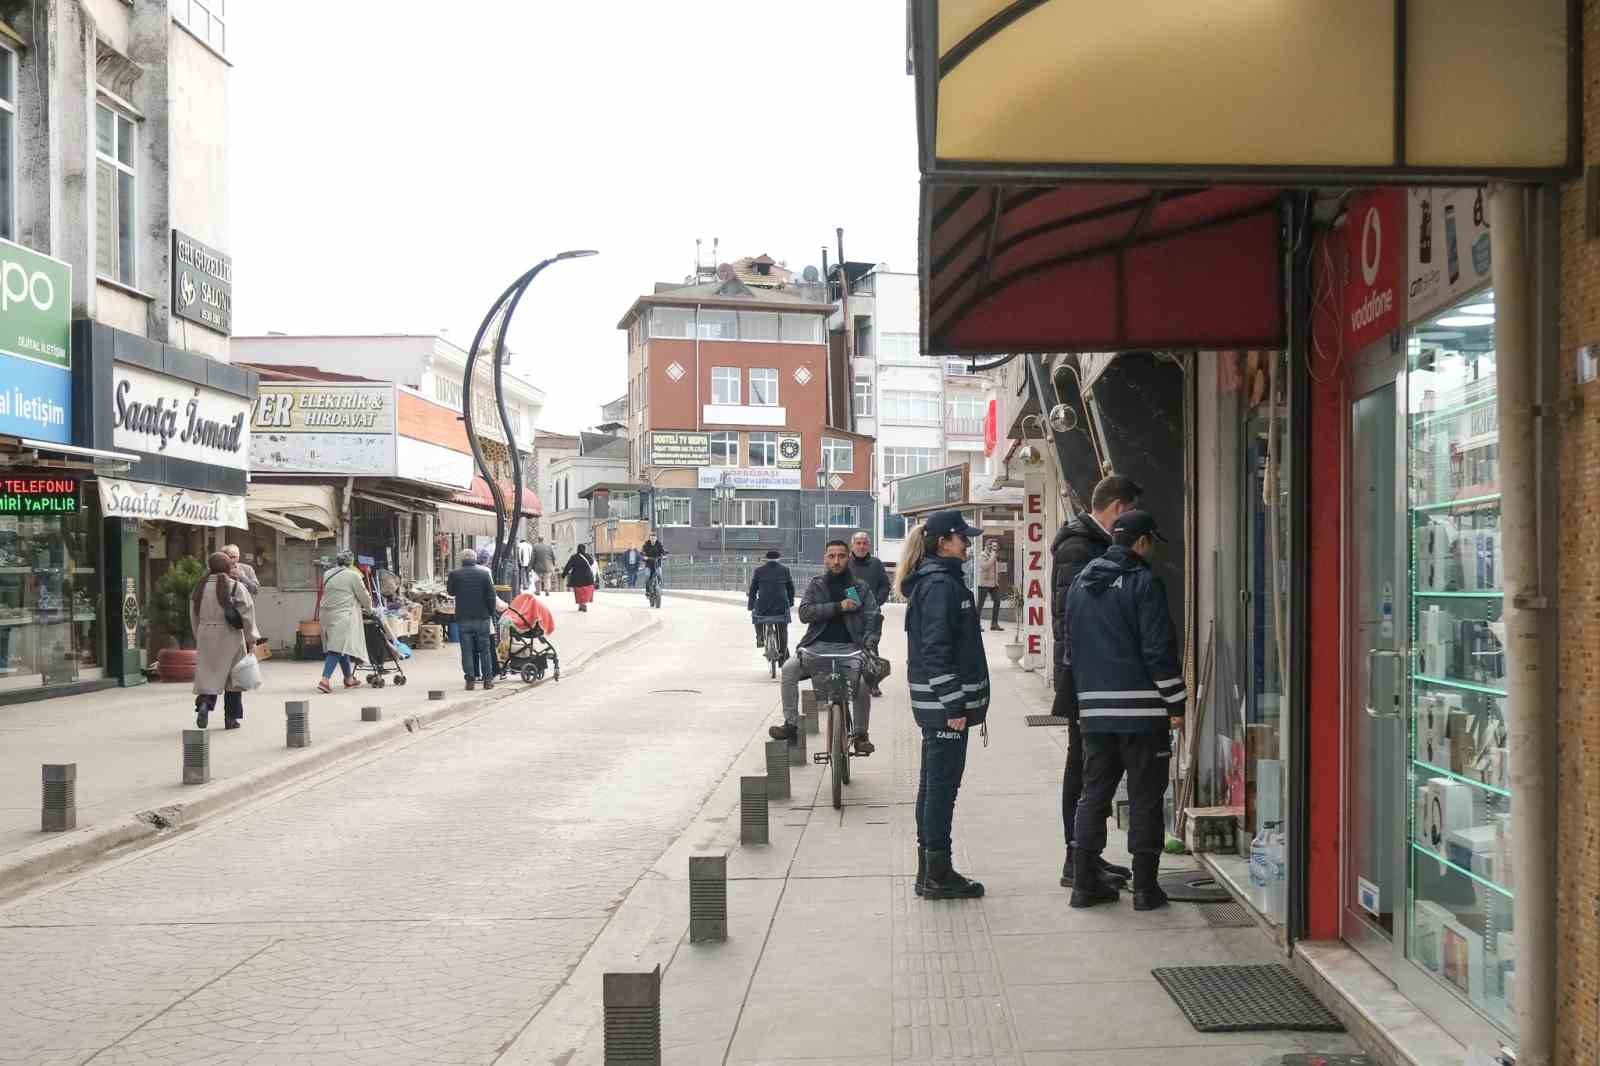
(724, 497)
(824, 472)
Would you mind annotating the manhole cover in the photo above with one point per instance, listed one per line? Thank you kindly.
(1193, 886)
(1242, 999)
(672, 691)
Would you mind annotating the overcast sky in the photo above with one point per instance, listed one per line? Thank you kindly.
(396, 164)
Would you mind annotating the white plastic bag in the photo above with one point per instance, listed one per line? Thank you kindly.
(246, 674)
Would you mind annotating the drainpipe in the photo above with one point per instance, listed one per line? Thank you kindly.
(1528, 723)
(698, 411)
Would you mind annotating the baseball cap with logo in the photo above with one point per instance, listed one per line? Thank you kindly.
(1138, 523)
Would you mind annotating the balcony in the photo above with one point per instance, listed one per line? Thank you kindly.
(963, 427)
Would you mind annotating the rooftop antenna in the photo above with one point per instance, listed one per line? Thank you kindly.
(697, 259)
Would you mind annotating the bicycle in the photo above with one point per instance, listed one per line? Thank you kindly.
(834, 691)
(769, 643)
(652, 587)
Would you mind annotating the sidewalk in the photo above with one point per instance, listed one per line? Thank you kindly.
(127, 744)
(832, 961)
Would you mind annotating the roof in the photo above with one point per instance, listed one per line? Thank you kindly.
(611, 486)
(602, 446)
(731, 295)
(545, 439)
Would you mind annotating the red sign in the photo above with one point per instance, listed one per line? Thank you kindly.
(991, 428)
(1375, 228)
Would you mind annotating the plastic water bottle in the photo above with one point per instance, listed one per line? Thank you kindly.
(1258, 863)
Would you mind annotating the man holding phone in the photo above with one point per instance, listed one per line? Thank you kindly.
(841, 616)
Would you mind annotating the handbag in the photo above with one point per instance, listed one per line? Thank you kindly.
(230, 613)
(246, 674)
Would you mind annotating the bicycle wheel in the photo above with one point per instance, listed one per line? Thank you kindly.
(838, 761)
(772, 652)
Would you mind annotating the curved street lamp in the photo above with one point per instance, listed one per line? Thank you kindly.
(505, 531)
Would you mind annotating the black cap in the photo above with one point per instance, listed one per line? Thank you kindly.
(944, 523)
(1137, 523)
(774, 554)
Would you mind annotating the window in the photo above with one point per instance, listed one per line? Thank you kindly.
(206, 19)
(763, 449)
(754, 513)
(114, 192)
(8, 144)
(904, 405)
(719, 325)
(838, 455)
(763, 387)
(898, 347)
(725, 386)
(901, 462)
(863, 394)
(964, 414)
(843, 515)
(672, 510)
(894, 525)
(759, 326)
(802, 329)
(724, 449)
(671, 322)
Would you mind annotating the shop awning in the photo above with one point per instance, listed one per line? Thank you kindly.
(305, 512)
(467, 521)
(480, 496)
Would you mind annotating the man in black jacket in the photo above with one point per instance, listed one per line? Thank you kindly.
(841, 617)
(654, 553)
(1081, 540)
(869, 570)
(1125, 659)
(473, 590)
(771, 595)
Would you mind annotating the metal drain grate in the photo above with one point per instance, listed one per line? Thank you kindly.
(1193, 886)
(1046, 719)
(1244, 999)
(1226, 915)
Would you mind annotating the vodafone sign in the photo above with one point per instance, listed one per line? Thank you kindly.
(1373, 291)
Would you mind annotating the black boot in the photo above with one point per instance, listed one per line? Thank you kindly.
(791, 733)
(942, 881)
(1147, 892)
(1089, 886)
(1113, 872)
(202, 712)
(1069, 869)
(922, 870)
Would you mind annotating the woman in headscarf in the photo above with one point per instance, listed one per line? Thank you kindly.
(580, 576)
(344, 597)
(218, 643)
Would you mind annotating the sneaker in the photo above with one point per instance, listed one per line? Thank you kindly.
(352, 682)
(791, 733)
(862, 745)
(472, 683)
(323, 686)
(487, 684)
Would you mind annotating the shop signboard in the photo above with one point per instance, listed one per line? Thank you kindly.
(202, 283)
(54, 494)
(931, 491)
(421, 460)
(671, 447)
(1449, 247)
(790, 449)
(165, 503)
(163, 415)
(1373, 294)
(1035, 572)
(317, 427)
(35, 345)
(750, 477)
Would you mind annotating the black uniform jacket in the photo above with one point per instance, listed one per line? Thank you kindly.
(1124, 649)
(945, 663)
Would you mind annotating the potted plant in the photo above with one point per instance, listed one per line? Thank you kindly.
(169, 607)
(1013, 603)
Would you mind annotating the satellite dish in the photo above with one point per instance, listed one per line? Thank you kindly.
(725, 271)
(810, 274)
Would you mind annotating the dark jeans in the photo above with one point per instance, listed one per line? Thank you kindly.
(944, 758)
(477, 650)
(633, 576)
(783, 637)
(993, 596)
(1066, 706)
(232, 704)
(1147, 759)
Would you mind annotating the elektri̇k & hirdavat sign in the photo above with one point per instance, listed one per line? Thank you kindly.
(35, 345)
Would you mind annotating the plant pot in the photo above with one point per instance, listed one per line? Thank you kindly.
(177, 664)
(1014, 651)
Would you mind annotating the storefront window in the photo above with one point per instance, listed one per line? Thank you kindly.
(50, 597)
(1460, 917)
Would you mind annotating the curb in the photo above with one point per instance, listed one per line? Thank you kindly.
(26, 867)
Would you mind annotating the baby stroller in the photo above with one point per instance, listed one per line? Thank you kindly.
(382, 652)
(527, 649)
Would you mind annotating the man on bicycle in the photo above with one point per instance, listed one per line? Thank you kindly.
(841, 617)
(771, 596)
(654, 556)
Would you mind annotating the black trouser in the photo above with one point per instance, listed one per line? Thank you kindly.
(1066, 706)
(1146, 758)
(232, 704)
(944, 758)
(783, 637)
(993, 595)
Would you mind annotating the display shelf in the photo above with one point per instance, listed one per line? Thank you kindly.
(1438, 771)
(1463, 686)
(1484, 881)
(1465, 501)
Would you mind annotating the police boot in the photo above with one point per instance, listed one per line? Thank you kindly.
(942, 881)
(1089, 886)
(1147, 891)
(922, 870)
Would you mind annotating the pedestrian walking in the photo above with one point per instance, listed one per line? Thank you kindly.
(771, 595)
(473, 590)
(870, 571)
(580, 575)
(949, 678)
(1124, 658)
(344, 597)
(989, 583)
(1080, 540)
(221, 615)
(544, 565)
(524, 564)
(630, 565)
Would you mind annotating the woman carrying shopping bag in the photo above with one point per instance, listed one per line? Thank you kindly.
(221, 613)
(344, 597)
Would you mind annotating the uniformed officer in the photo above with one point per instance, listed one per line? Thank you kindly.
(1125, 663)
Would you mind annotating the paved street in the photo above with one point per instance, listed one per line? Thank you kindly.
(415, 907)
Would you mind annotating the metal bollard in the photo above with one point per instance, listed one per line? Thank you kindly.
(196, 756)
(297, 714)
(808, 716)
(778, 769)
(436, 693)
(633, 1018)
(59, 811)
(753, 810)
(372, 714)
(797, 750)
(708, 898)
(808, 702)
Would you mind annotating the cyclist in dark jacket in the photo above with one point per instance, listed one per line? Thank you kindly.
(1079, 542)
(841, 619)
(1126, 662)
(771, 595)
(949, 679)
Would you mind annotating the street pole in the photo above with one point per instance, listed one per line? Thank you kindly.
(724, 497)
